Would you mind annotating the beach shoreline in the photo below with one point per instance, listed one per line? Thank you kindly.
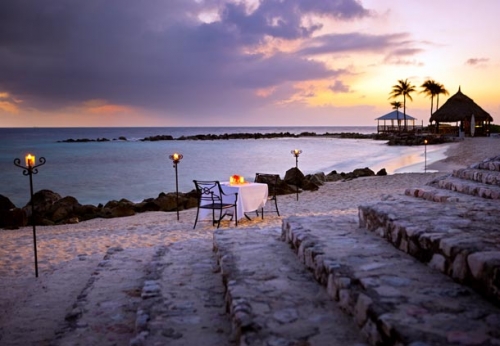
(68, 253)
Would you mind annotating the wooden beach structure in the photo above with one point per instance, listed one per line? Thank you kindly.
(393, 122)
(461, 116)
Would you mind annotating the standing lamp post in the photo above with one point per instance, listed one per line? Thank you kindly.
(29, 170)
(176, 158)
(425, 155)
(296, 153)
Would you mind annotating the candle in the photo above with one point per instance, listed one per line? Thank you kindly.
(30, 160)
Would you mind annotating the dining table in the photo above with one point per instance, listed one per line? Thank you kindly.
(251, 196)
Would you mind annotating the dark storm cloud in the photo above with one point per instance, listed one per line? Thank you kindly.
(282, 19)
(156, 54)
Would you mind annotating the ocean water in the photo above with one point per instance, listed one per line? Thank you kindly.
(97, 172)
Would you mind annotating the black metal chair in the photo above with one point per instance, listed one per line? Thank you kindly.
(211, 196)
(272, 183)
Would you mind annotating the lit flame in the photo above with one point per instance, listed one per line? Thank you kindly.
(236, 179)
(30, 160)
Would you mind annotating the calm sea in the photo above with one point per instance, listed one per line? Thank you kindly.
(96, 172)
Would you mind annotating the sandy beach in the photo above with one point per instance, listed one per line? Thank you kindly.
(66, 253)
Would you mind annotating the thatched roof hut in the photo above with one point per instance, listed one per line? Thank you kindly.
(459, 108)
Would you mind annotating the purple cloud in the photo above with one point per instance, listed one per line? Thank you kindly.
(476, 61)
(158, 54)
(339, 87)
(352, 42)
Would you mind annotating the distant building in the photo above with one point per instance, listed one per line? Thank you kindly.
(467, 118)
(394, 122)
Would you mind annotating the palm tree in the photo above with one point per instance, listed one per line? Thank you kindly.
(397, 105)
(440, 89)
(430, 88)
(404, 88)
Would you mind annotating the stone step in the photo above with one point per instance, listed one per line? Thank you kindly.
(461, 239)
(479, 175)
(492, 164)
(432, 194)
(105, 310)
(272, 298)
(436, 194)
(395, 299)
(469, 187)
(183, 298)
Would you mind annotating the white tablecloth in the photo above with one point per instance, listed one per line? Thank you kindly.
(251, 196)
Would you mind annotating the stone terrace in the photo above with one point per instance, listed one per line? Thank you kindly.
(391, 284)
(447, 226)
(419, 268)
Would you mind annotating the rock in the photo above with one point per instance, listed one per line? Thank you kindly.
(5, 204)
(13, 218)
(317, 179)
(5, 209)
(190, 199)
(158, 138)
(285, 189)
(310, 186)
(64, 209)
(43, 202)
(120, 208)
(382, 172)
(145, 206)
(167, 202)
(363, 172)
(87, 212)
(334, 176)
(294, 177)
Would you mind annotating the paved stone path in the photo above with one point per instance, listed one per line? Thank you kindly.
(105, 310)
(183, 298)
(272, 298)
(15, 332)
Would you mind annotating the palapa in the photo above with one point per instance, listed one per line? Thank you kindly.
(460, 107)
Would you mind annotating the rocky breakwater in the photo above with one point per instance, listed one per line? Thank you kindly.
(53, 209)
(227, 136)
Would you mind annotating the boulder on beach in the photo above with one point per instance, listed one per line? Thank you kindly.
(10, 216)
(64, 208)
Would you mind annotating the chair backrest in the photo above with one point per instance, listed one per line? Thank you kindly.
(271, 180)
(208, 191)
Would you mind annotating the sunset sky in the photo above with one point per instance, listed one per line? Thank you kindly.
(239, 62)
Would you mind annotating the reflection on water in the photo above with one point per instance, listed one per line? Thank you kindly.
(418, 162)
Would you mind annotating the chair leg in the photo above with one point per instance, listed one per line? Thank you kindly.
(196, 220)
(276, 204)
(236, 215)
(220, 218)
